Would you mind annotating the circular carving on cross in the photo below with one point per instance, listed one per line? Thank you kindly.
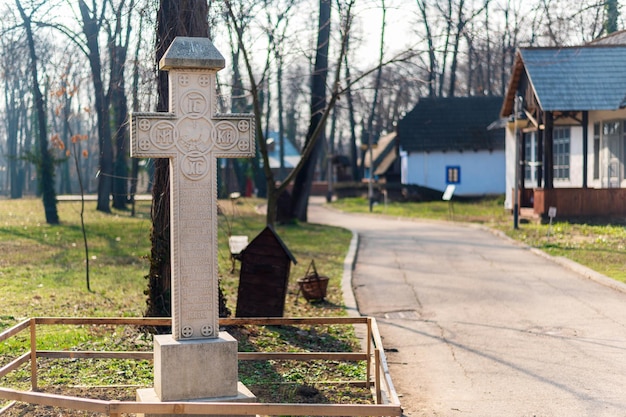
(144, 144)
(186, 331)
(204, 81)
(226, 135)
(243, 145)
(163, 134)
(195, 135)
(194, 104)
(183, 79)
(144, 124)
(194, 166)
(243, 125)
(207, 330)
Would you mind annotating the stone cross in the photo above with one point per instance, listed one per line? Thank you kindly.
(192, 135)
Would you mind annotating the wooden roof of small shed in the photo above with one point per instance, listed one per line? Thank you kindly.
(451, 124)
(269, 231)
(589, 77)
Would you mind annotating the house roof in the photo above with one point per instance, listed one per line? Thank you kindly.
(261, 240)
(615, 38)
(590, 77)
(451, 124)
(384, 154)
(292, 156)
(382, 148)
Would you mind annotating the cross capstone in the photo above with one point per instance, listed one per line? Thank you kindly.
(192, 135)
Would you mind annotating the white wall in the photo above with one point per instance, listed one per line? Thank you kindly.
(482, 172)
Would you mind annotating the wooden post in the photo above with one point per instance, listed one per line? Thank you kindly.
(585, 124)
(369, 354)
(379, 396)
(33, 354)
(114, 409)
(548, 162)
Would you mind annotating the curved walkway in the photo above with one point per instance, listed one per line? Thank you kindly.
(477, 325)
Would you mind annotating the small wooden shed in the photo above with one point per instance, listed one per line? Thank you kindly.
(264, 276)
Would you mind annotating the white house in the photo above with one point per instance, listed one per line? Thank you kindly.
(446, 141)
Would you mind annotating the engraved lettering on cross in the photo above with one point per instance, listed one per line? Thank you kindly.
(192, 135)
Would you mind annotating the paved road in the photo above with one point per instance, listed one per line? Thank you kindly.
(476, 325)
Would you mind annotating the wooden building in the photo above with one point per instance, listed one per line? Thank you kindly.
(569, 134)
(264, 276)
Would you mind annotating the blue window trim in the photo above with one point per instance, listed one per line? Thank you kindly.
(450, 177)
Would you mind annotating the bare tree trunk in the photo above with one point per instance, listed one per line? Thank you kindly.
(45, 165)
(370, 120)
(91, 29)
(304, 180)
(118, 49)
(488, 80)
(432, 59)
(356, 173)
(448, 18)
(135, 93)
(460, 25)
(12, 121)
(175, 18)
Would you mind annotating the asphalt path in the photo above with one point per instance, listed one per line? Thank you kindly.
(475, 324)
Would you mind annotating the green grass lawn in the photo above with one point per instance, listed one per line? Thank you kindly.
(42, 273)
(601, 247)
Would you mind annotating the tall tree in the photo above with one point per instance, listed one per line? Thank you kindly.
(45, 164)
(274, 190)
(174, 18)
(354, 150)
(371, 136)
(91, 24)
(304, 179)
(118, 40)
(612, 14)
(13, 67)
(238, 104)
(432, 59)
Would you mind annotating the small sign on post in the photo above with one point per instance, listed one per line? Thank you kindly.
(551, 215)
(447, 196)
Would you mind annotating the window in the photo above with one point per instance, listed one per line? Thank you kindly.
(560, 150)
(596, 151)
(453, 175)
(530, 156)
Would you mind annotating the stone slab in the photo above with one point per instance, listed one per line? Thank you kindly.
(244, 395)
(192, 369)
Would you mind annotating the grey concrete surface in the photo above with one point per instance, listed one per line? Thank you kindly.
(477, 325)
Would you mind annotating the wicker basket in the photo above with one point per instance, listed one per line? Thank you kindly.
(313, 286)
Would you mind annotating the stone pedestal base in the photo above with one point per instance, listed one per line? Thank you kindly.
(148, 395)
(192, 369)
(199, 370)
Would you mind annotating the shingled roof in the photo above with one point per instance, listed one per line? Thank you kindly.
(451, 124)
(590, 77)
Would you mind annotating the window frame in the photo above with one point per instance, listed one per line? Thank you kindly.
(561, 152)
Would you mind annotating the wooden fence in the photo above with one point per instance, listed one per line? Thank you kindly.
(378, 379)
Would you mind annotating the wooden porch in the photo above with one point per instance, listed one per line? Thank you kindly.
(576, 202)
